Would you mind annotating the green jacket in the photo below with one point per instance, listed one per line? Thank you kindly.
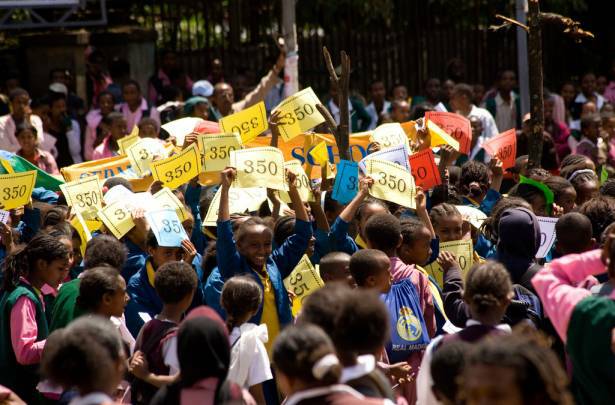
(65, 307)
(21, 379)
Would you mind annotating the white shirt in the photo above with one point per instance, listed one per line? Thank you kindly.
(94, 398)
(365, 365)
(581, 99)
(489, 130)
(133, 118)
(249, 361)
(335, 111)
(74, 141)
(8, 140)
(299, 396)
(375, 115)
(505, 113)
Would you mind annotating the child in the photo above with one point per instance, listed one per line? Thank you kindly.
(241, 298)
(446, 366)
(480, 192)
(586, 184)
(175, 284)
(144, 302)
(564, 194)
(148, 128)
(87, 355)
(590, 130)
(572, 163)
(23, 325)
(96, 124)
(117, 130)
(573, 233)
(488, 292)
(334, 267)
(533, 195)
(601, 213)
(585, 322)
(29, 150)
(308, 370)
(447, 222)
(250, 251)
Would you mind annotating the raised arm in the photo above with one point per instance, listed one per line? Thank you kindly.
(348, 214)
(226, 179)
(421, 210)
(498, 173)
(229, 261)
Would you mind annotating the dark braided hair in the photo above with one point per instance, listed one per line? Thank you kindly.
(490, 225)
(241, 295)
(558, 185)
(608, 188)
(441, 211)
(487, 285)
(572, 163)
(20, 263)
(601, 212)
(366, 203)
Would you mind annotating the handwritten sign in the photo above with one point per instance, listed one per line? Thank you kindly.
(299, 114)
(346, 184)
(240, 200)
(259, 167)
(167, 199)
(391, 182)
(472, 215)
(216, 150)
(450, 122)
(178, 169)
(547, 235)
(440, 137)
(396, 154)
(143, 152)
(504, 146)
(302, 183)
(125, 142)
(84, 195)
(248, 123)
(389, 135)
(424, 169)
(462, 249)
(82, 229)
(16, 189)
(302, 281)
(117, 217)
(167, 227)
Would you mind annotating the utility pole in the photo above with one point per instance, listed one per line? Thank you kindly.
(289, 32)
(522, 65)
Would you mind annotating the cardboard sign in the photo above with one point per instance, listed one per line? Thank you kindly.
(84, 195)
(424, 169)
(320, 153)
(299, 114)
(302, 281)
(240, 200)
(396, 154)
(216, 150)
(472, 215)
(440, 137)
(117, 217)
(302, 183)
(390, 135)
(449, 122)
(346, 184)
(504, 146)
(259, 167)
(247, 123)
(16, 189)
(167, 227)
(547, 235)
(143, 152)
(167, 199)
(462, 249)
(391, 183)
(178, 169)
(82, 229)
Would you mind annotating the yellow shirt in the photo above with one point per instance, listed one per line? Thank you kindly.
(270, 311)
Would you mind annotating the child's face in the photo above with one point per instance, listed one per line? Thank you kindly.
(106, 104)
(567, 199)
(383, 279)
(27, 140)
(115, 303)
(586, 191)
(53, 272)
(609, 127)
(148, 131)
(568, 93)
(495, 385)
(339, 272)
(449, 228)
(255, 245)
(162, 255)
(539, 206)
(118, 128)
(131, 94)
(592, 131)
(419, 251)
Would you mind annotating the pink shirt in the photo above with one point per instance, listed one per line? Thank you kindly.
(103, 150)
(24, 331)
(557, 285)
(133, 118)
(93, 119)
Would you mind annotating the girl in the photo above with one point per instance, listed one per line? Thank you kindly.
(533, 195)
(29, 150)
(308, 371)
(564, 192)
(241, 299)
(479, 190)
(117, 130)
(586, 184)
(447, 222)
(489, 230)
(97, 127)
(23, 325)
(572, 163)
(87, 355)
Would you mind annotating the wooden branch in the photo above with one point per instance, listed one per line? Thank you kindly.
(571, 27)
(507, 23)
(341, 86)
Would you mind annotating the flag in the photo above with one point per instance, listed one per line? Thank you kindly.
(14, 163)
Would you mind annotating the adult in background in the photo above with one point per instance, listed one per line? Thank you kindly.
(19, 100)
(65, 130)
(505, 105)
(379, 104)
(135, 106)
(169, 69)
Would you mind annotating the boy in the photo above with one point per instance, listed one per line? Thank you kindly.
(334, 267)
(135, 107)
(573, 233)
(591, 125)
(175, 284)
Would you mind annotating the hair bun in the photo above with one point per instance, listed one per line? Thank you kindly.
(323, 365)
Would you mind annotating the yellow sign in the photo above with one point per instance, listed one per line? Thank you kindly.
(299, 114)
(462, 249)
(84, 195)
(392, 182)
(167, 199)
(302, 281)
(178, 169)
(302, 183)
(240, 200)
(117, 218)
(125, 142)
(16, 189)
(248, 123)
(82, 229)
(259, 167)
(216, 150)
(143, 152)
(320, 153)
(390, 135)
(440, 137)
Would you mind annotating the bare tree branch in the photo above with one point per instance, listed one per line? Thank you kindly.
(507, 23)
(340, 85)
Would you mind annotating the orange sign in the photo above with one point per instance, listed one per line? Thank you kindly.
(450, 122)
(424, 169)
(504, 146)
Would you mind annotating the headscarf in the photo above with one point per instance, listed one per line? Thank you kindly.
(519, 241)
(192, 102)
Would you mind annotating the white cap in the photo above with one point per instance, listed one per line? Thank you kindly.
(58, 88)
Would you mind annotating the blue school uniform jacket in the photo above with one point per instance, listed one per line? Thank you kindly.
(192, 198)
(491, 198)
(144, 299)
(135, 260)
(279, 265)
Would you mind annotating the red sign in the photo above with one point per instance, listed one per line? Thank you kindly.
(424, 169)
(455, 125)
(504, 146)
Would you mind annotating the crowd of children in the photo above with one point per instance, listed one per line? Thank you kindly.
(496, 286)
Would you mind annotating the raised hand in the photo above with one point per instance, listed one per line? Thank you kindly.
(227, 176)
